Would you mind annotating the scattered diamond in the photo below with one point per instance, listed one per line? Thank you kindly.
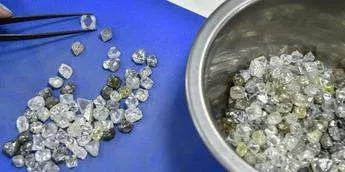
(72, 162)
(18, 161)
(55, 82)
(36, 103)
(43, 155)
(151, 61)
(88, 22)
(142, 94)
(22, 124)
(133, 115)
(65, 71)
(106, 34)
(11, 148)
(92, 148)
(126, 127)
(139, 57)
(113, 52)
(146, 83)
(133, 83)
(77, 48)
(145, 72)
(117, 116)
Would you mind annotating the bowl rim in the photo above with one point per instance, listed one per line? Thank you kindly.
(194, 86)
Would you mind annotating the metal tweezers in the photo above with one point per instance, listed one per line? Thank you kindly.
(12, 37)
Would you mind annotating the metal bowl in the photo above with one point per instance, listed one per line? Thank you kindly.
(243, 29)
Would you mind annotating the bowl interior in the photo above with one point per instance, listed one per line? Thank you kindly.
(272, 27)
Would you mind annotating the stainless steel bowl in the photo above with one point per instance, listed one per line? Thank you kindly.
(243, 29)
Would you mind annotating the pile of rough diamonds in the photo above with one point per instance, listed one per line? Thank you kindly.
(287, 114)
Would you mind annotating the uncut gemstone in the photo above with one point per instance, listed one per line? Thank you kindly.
(254, 111)
(99, 101)
(97, 133)
(105, 92)
(51, 142)
(11, 148)
(130, 73)
(36, 127)
(65, 71)
(106, 34)
(276, 62)
(43, 114)
(72, 161)
(92, 148)
(284, 107)
(60, 154)
(61, 136)
(79, 151)
(115, 96)
(284, 127)
(241, 149)
(112, 105)
(258, 66)
(117, 116)
(18, 161)
(125, 127)
(274, 118)
(37, 141)
(245, 75)
(77, 48)
(83, 140)
(106, 64)
(22, 124)
(68, 88)
(114, 65)
(133, 83)
(26, 148)
(132, 102)
(238, 80)
(237, 92)
(51, 102)
(49, 130)
(145, 72)
(114, 52)
(23, 137)
(146, 83)
(100, 113)
(133, 115)
(142, 94)
(109, 131)
(50, 166)
(125, 92)
(55, 82)
(36, 103)
(151, 61)
(83, 104)
(139, 57)
(29, 160)
(88, 22)
(46, 92)
(314, 136)
(242, 103)
(259, 137)
(301, 112)
(114, 81)
(30, 115)
(43, 155)
(309, 57)
(66, 98)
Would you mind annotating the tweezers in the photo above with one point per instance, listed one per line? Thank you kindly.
(12, 37)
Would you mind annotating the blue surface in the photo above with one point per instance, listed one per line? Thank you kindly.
(165, 140)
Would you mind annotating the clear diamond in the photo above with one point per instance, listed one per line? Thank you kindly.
(115, 96)
(22, 124)
(43, 114)
(88, 112)
(133, 83)
(18, 161)
(309, 57)
(51, 142)
(130, 73)
(142, 94)
(111, 105)
(107, 63)
(72, 162)
(276, 62)
(151, 61)
(145, 72)
(43, 155)
(139, 57)
(132, 101)
(100, 113)
(59, 108)
(68, 115)
(80, 152)
(61, 136)
(88, 22)
(55, 82)
(99, 101)
(258, 66)
(114, 52)
(133, 115)
(50, 166)
(36, 127)
(83, 103)
(106, 34)
(59, 154)
(146, 83)
(36, 103)
(114, 64)
(117, 116)
(66, 98)
(93, 148)
(296, 56)
(65, 71)
(77, 48)
(83, 140)
(49, 130)
(237, 92)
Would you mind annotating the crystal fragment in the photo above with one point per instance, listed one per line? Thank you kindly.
(68, 88)
(115, 96)
(259, 137)
(55, 82)
(83, 140)
(133, 83)
(26, 148)
(146, 83)
(43, 155)
(65, 71)
(100, 113)
(22, 124)
(46, 92)
(36, 103)
(88, 22)
(125, 92)
(274, 118)
(112, 64)
(92, 148)
(114, 52)
(117, 116)
(72, 162)
(50, 166)
(139, 57)
(133, 115)
(77, 48)
(145, 72)
(99, 101)
(49, 130)
(108, 130)
(23, 137)
(151, 61)
(61, 136)
(51, 101)
(18, 161)
(314, 136)
(130, 73)
(132, 102)
(106, 34)
(11, 148)
(237, 92)
(254, 111)
(36, 127)
(125, 127)
(241, 149)
(83, 103)
(142, 94)
(112, 105)
(60, 154)
(114, 81)
(43, 114)
(38, 143)
(238, 80)
(258, 66)
(105, 92)
(51, 142)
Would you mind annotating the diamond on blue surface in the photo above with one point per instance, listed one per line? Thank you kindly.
(133, 115)
(139, 57)
(106, 34)
(88, 22)
(22, 124)
(114, 52)
(65, 71)
(36, 103)
(77, 48)
(55, 82)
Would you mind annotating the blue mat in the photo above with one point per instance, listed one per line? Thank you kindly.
(165, 140)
